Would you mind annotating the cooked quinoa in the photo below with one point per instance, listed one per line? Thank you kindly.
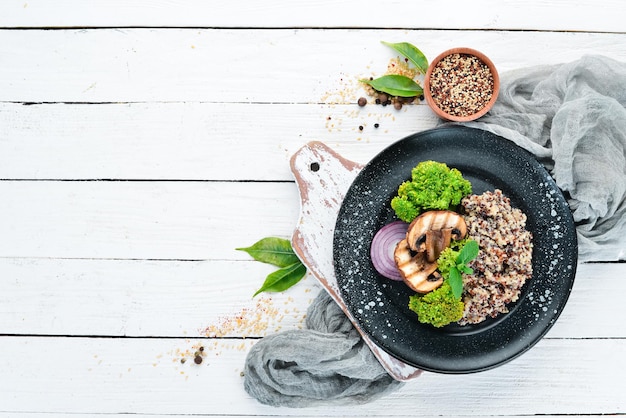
(504, 262)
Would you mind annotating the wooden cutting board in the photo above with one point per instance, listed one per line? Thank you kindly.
(323, 178)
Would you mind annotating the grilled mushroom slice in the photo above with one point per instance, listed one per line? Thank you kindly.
(416, 271)
(432, 231)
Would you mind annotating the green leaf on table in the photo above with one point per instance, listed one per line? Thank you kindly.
(412, 53)
(283, 278)
(272, 250)
(456, 282)
(278, 252)
(396, 85)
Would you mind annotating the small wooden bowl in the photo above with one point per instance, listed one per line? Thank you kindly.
(444, 113)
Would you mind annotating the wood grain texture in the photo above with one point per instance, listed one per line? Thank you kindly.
(142, 220)
(188, 141)
(143, 298)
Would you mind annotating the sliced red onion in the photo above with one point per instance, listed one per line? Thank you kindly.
(383, 246)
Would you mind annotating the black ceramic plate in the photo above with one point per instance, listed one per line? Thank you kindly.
(380, 305)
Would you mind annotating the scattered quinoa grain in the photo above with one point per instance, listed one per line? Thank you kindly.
(254, 321)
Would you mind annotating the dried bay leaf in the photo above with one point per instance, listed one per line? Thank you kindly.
(272, 250)
(278, 252)
(283, 278)
(412, 53)
(396, 85)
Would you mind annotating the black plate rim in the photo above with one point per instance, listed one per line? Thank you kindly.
(498, 352)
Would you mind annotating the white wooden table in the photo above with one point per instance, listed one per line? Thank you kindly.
(142, 142)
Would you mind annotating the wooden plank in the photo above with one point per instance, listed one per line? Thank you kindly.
(151, 220)
(137, 298)
(189, 141)
(142, 220)
(147, 65)
(133, 298)
(592, 305)
(486, 14)
(145, 376)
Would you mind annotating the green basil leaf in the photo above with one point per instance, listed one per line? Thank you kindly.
(467, 270)
(456, 282)
(412, 53)
(468, 252)
(283, 278)
(271, 250)
(396, 85)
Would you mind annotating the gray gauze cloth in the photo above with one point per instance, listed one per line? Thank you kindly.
(572, 117)
(325, 363)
